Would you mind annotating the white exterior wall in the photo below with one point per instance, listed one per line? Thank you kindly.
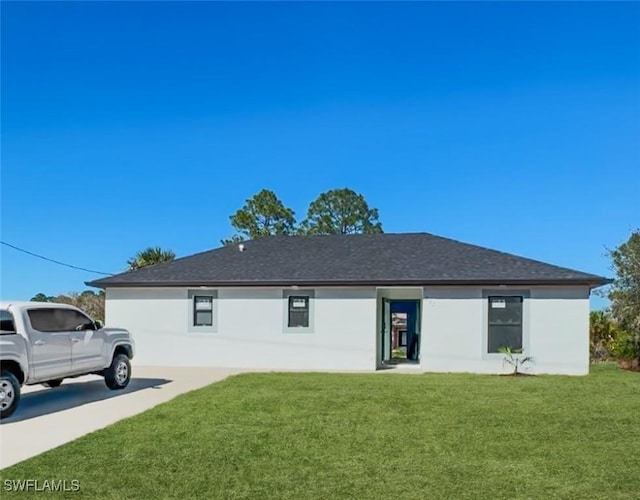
(555, 330)
(250, 329)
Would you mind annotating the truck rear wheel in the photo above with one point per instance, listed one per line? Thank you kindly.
(9, 393)
(118, 375)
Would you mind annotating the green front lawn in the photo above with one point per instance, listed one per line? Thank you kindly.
(328, 436)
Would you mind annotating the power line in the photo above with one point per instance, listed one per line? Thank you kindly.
(52, 260)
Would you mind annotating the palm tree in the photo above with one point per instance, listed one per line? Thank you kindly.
(150, 257)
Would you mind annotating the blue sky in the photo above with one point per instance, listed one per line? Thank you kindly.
(509, 125)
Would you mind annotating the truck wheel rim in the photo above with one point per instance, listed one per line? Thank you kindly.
(122, 372)
(7, 395)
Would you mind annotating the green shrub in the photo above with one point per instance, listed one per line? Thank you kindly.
(603, 333)
(626, 346)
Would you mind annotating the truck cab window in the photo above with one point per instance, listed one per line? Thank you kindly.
(58, 320)
(7, 324)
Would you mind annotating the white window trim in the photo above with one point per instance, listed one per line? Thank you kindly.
(285, 310)
(191, 327)
(505, 292)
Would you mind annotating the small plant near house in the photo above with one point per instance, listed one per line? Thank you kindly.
(515, 359)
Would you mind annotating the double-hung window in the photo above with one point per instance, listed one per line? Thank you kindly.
(298, 316)
(202, 310)
(505, 323)
(298, 311)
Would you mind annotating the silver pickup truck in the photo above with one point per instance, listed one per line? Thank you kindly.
(44, 343)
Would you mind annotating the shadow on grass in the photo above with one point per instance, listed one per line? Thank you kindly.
(73, 394)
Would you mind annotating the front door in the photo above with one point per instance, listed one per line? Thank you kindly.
(413, 330)
(386, 331)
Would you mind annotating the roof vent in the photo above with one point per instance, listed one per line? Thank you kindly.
(241, 247)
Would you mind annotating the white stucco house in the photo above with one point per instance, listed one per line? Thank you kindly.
(326, 303)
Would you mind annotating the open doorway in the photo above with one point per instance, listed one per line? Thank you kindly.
(400, 332)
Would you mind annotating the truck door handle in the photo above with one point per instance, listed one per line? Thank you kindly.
(39, 342)
(75, 340)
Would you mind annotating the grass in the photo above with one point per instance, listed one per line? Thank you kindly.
(298, 436)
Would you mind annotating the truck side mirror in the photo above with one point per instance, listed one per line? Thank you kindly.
(98, 324)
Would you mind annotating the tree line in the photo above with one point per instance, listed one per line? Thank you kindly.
(338, 211)
(89, 301)
(615, 331)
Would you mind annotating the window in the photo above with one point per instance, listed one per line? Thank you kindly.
(202, 310)
(58, 320)
(6, 323)
(298, 311)
(505, 323)
(403, 338)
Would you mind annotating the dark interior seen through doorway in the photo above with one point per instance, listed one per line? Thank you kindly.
(400, 331)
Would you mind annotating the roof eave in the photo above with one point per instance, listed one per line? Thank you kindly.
(594, 282)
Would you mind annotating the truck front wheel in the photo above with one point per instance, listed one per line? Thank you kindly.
(9, 393)
(118, 375)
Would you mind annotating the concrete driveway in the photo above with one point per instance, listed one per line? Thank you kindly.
(47, 418)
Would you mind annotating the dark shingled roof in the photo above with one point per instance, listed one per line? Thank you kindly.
(349, 260)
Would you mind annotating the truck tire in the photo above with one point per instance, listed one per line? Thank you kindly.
(9, 393)
(53, 383)
(118, 375)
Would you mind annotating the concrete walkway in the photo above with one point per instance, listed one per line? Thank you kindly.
(48, 418)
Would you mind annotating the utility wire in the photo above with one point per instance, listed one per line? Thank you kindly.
(52, 260)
